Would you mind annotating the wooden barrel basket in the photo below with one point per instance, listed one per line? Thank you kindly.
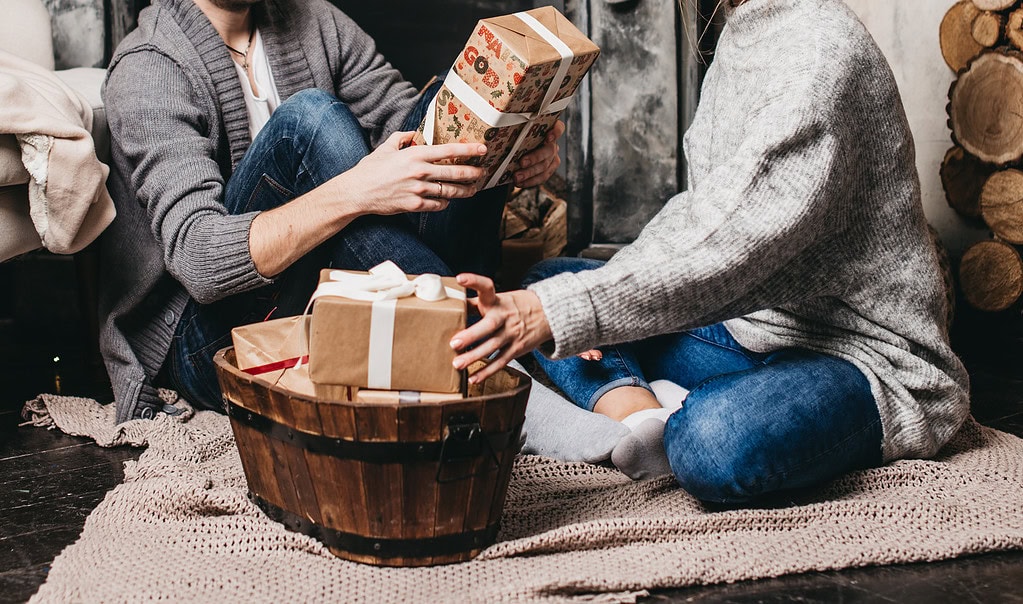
(405, 484)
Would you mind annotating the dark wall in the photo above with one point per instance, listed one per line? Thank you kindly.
(422, 38)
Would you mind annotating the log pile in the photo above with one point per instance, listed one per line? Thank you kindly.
(982, 174)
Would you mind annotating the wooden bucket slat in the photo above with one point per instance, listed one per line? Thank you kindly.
(257, 464)
(382, 481)
(453, 498)
(376, 499)
(417, 423)
(508, 457)
(337, 420)
(494, 418)
(296, 412)
(255, 459)
(279, 455)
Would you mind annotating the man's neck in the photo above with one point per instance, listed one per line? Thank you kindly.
(233, 24)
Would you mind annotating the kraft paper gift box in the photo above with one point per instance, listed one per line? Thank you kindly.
(276, 352)
(384, 330)
(514, 77)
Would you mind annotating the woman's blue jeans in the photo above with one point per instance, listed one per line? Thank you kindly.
(753, 423)
(309, 139)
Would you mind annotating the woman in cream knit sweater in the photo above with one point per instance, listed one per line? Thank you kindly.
(793, 289)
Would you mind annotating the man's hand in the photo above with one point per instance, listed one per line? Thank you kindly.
(390, 180)
(395, 178)
(513, 324)
(539, 165)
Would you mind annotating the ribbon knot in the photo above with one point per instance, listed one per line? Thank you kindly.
(384, 281)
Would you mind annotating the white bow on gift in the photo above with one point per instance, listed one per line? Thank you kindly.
(383, 286)
(385, 281)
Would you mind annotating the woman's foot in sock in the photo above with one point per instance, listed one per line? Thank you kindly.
(640, 454)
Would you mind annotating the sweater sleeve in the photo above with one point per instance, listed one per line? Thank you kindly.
(161, 141)
(718, 251)
(375, 91)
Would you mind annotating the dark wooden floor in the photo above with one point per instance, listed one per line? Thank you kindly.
(49, 482)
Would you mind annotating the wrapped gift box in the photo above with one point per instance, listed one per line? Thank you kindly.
(383, 330)
(277, 352)
(515, 75)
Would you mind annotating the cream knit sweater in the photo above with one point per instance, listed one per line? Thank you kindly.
(802, 225)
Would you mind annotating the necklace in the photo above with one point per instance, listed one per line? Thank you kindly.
(244, 54)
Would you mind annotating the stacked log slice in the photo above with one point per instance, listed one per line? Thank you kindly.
(956, 35)
(982, 174)
(991, 275)
(1001, 205)
(986, 107)
(994, 4)
(1014, 28)
(963, 177)
(987, 28)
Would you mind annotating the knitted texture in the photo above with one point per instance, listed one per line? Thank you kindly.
(802, 225)
(180, 528)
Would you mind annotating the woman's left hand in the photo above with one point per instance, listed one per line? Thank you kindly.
(513, 324)
(540, 164)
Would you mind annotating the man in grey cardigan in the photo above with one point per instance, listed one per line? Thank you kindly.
(253, 143)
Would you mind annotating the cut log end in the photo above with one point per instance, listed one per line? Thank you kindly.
(956, 35)
(1014, 28)
(993, 4)
(986, 107)
(987, 28)
(963, 177)
(991, 276)
(1001, 205)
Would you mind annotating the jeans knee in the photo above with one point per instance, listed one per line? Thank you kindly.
(308, 109)
(308, 99)
(712, 462)
(554, 266)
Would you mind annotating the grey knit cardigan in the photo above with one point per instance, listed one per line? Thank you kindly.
(802, 225)
(178, 127)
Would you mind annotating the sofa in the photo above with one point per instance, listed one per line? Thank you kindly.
(26, 31)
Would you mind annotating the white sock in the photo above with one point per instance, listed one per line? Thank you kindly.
(669, 394)
(634, 419)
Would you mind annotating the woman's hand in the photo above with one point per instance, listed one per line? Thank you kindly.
(513, 324)
(539, 165)
(396, 178)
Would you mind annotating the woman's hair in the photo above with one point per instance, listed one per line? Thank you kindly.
(698, 13)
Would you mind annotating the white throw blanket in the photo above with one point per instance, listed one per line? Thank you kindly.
(69, 203)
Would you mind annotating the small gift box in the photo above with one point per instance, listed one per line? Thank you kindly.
(384, 330)
(512, 80)
(277, 352)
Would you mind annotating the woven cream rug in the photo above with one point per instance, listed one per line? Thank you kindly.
(181, 529)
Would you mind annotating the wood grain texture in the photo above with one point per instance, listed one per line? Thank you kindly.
(986, 107)
(1001, 205)
(956, 35)
(382, 499)
(991, 276)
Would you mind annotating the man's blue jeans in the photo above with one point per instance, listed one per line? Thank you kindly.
(311, 138)
(753, 423)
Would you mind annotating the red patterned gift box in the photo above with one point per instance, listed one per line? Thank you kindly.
(503, 89)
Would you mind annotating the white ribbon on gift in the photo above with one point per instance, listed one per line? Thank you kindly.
(497, 119)
(385, 284)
